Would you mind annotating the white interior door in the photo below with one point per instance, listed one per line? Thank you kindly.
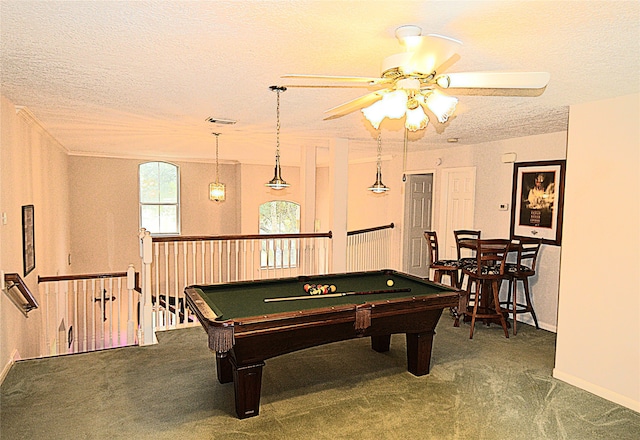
(458, 200)
(418, 211)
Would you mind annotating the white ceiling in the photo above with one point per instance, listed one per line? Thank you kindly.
(139, 78)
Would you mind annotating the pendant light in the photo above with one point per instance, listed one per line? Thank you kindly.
(216, 189)
(277, 182)
(378, 187)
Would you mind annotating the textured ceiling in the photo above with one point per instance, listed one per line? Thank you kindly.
(139, 78)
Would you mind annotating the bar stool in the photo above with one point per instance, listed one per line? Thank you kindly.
(440, 267)
(462, 235)
(521, 270)
(487, 273)
(443, 267)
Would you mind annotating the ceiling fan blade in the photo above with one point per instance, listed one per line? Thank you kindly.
(430, 52)
(355, 104)
(338, 78)
(498, 80)
(329, 86)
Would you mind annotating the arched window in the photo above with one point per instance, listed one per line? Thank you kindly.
(159, 197)
(279, 217)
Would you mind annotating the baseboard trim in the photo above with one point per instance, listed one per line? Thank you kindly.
(15, 356)
(526, 319)
(597, 390)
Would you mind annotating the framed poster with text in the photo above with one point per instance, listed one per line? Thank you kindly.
(537, 200)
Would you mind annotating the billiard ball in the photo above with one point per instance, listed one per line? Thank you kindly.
(389, 283)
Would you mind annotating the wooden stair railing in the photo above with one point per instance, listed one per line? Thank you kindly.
(370, 248)
(89, 276)
(88, 312)
(376, 228)
(241, 237)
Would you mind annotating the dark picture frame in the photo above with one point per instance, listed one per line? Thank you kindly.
(537, 200)
(28, 240)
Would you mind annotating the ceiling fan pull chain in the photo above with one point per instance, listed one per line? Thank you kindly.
(404, 158)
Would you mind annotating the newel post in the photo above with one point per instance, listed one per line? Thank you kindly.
(131, 286)
(146, 334)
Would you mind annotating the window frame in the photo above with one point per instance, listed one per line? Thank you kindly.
(177, 204)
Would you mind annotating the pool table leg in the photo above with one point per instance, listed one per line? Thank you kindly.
(419, 352)
(381, 343)
(224, 369)
(247, 383)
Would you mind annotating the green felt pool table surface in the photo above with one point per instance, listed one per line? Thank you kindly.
(246, 299)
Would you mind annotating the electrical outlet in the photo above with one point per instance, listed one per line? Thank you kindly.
(503, 206)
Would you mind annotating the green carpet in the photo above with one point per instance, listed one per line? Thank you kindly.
(486, 388)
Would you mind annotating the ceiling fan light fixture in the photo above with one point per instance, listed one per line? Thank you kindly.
(375, 113)
(441, 105)
(414, 77)
(410, 36)
(443, 81)
(412, 103)
(395, 103)
(408, 30)
(416, 119)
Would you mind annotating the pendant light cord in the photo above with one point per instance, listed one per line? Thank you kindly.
(404, 159)
(278, 123)
(379, 152)
(217, 135)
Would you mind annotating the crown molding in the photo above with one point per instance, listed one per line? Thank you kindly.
(31, 119)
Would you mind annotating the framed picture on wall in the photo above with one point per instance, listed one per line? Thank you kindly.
(537, 200)
(28, 240)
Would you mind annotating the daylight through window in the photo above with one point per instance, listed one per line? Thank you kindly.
(279, 217)
(159, 201)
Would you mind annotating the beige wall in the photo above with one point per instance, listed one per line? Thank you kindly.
(367, 209)
(104, 203)
(598, 345)
(33, 171)
(254, 193)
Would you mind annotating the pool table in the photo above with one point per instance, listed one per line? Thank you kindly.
(249, 322)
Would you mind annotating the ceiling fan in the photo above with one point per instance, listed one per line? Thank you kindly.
(414, 81)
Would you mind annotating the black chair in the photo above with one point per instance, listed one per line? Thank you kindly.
(522, 270)
(486, 274)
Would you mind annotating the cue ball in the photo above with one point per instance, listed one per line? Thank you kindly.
(389, 283)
